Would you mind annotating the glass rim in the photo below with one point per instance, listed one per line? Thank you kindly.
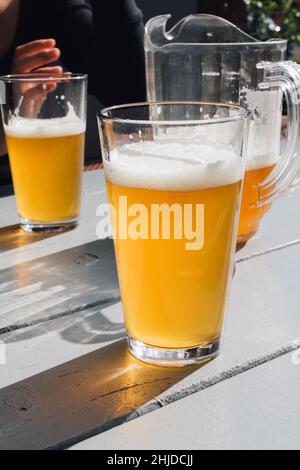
(243, 113)
(43, 77)
(263, 44)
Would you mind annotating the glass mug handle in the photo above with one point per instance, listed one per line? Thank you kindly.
(286, 76)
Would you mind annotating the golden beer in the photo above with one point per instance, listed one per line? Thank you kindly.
(251, 212)
(173, 297)
(47, 166)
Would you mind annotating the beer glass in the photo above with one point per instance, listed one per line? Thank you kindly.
(174, 182)
(206, 58)
(44, 120)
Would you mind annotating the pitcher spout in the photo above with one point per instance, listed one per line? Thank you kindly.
(198, 29)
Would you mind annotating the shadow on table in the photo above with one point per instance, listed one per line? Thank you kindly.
(94, 328)
(82, 398)
(14, 237)
(91, 326)
(240, 246)
(71, 288)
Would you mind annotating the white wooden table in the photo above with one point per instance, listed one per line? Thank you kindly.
(69, 382)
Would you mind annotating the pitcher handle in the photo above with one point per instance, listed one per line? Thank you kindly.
(286, 76)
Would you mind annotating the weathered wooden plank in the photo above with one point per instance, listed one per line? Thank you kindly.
(33, 350)
(58, 284)
(259, 410)
(279, 228)
(76, 399)
(264, 315)
(263, 290)
(17, 248)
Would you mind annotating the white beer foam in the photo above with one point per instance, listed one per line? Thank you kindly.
(174, 166)
(262, 161)
(264, 137)
(265, 131)
(43, 128)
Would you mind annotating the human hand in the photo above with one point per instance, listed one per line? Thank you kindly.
(33, 58)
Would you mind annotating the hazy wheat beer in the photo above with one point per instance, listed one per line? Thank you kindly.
(173, 297)
(263, 153)
(252, 212)
(46, 158)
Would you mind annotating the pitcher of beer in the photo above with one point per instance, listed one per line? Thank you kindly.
(206, 58)
(44, 120)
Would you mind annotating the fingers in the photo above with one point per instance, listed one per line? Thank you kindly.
(29, 63)
(50, 70)
(34, 57)
(34, 47)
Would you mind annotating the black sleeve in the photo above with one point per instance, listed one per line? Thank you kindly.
(105, 39)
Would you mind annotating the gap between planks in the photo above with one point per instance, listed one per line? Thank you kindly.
(71, 311)
(259, 254)
(200, 386)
